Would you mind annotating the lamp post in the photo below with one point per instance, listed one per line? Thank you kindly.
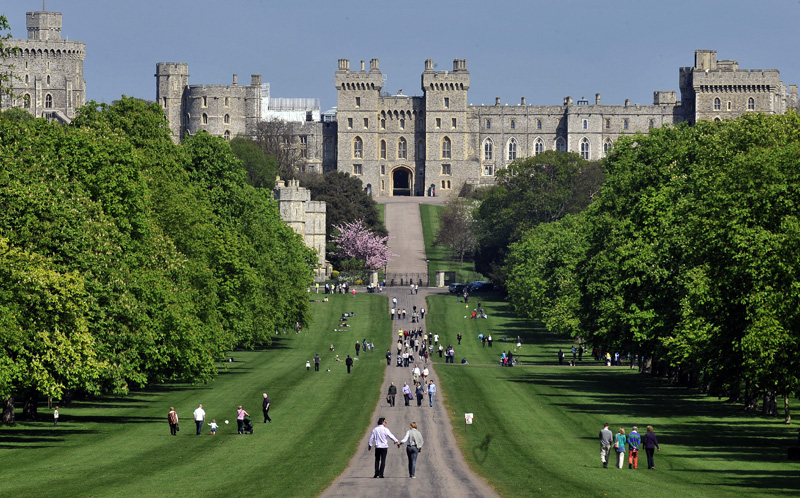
(428, 270)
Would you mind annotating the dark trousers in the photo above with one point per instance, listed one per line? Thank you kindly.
(380, 460)
(650, 463)
(419, 399)
(199, 426)
(348, 368)
(316, 367)
(405, 397)
(412, 452)
(173, 429)
(240, 425)
(266, 416)
(392, 397)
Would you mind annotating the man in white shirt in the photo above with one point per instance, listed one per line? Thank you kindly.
(380, 439)
(416, 373)
(199, 419)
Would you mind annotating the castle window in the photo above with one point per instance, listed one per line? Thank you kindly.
(447, 102)
(26, 79)
(729, 105)
(227, 102)
(366, 122)
(26, 101)
(624, 124)
(446, 148)
(488, 124)
(438, 123)
(585, 148)
(48, 80)
(454, 123)
(357, 170)
(383, 124)
(383, 149)
(304, 146)
(717, 120)
(538, 124)
(420, 150)
(165, 102)
(328, 149)
(448, 183)
(608, 124)
(585, 124)
(402, 124)
(446, 170)
(205, 101)
(383, 169)
(717, 104)
(538, 147)
(401, 149)
(48, 101)
(488, 149)
(443, 184)
(561, 145)
(383, 185)
(607, 146)
(358, 148)
(227, 119)
(350, 123)
(513, 124)
(358, 101)
(751, 104)
(512, 149)
(488, 170)
(227, 135)
(205, 118)
(420, 124)
(652, 124)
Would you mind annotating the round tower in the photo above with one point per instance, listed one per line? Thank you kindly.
(172, 79)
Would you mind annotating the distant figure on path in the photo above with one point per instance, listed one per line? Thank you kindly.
(358, 347)
(560, 357)
(265, 408)
(431, 392)
(172, 418)
(392, 394)
(349, 363)
(413, 441)
(420, 394)
(650, 443)
(406, 393)
(606, 440)
(380, 439)
(459, 338)
(199, 418)
(388, 357)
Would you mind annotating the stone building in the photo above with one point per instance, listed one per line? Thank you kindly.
(306, 217)
(415, 145)
(47, 70)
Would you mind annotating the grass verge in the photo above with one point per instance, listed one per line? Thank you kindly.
(441, 257)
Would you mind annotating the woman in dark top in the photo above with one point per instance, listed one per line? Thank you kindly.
(650, 445)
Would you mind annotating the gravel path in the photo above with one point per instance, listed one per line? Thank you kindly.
(441, 470)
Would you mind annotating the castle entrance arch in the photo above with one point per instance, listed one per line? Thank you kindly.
(402, 181)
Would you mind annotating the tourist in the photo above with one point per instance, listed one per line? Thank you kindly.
(619, 445)
(406, 393)
(431, 392)
(380, 439)
(349, 362)
(240, 413)
(392, 394)
(633, 449)
(265, 409)
(606, 440)
(413, 441)
(420, 394)
(650, 443)
(172, 418)
(199, 419)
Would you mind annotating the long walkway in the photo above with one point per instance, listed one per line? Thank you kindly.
(441, 469)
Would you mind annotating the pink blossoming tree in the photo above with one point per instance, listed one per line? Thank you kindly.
(355, 240)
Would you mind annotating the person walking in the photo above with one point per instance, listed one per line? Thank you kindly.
(392, 394)
(560, 357)
(420, 394)
(349, 363)
(358, 347)
(650, 446)
(55, 416)
(489, 340)
(459, 338)
(413, 441)
(619, 445)
(316, 362)
(406, 393)
(265, 408)
(606, 440)
(416, 373)
(388, 357)
(240, 413)
(380, 439)
(199, 418)
(431, 392)
(634, 440)
(172, 418)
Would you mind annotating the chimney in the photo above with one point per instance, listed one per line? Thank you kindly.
(596, 99)
(522, 101)
(362, 66)
(497, 101)
(255, 80)
(627, 102)
(235, 79)
(429, 64)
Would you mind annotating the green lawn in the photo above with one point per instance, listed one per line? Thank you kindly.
(441, 257)
(536, 425)
(120, 446)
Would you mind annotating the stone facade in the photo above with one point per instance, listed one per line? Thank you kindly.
(404, 145)
(306, 217)
(48, 70)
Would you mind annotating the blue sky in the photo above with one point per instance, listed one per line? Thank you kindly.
(542, 50)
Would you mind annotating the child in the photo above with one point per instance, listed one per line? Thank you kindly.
(308, 365)
(213, 425)
(55, 416)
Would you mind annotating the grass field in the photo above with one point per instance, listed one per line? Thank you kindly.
(120, 446)
(442, 258)
(536, 426)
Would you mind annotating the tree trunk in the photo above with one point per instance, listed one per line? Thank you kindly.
(786, 412)
(31, 408)
(8, 411)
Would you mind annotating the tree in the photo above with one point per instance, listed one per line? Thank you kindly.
(530, 191)
(278, 139)
(7, 74)
(261, 168)
(457, 227)
(355, 240)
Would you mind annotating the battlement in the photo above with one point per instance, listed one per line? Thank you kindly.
(358, 80)
(43, 26)
(457, 79)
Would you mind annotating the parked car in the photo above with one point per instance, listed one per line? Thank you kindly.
(480, 286)
(456, 288)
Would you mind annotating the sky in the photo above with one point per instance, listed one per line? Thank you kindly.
(538, 49)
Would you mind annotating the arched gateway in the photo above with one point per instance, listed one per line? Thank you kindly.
(402, 181)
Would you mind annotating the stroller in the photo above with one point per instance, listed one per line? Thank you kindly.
(248, 425)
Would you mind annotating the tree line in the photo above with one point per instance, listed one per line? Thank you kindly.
(127, 260)
(687, 258)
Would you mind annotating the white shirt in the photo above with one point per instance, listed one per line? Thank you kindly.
(416, 370)
(425, 372)
(380, 437)
(199, 414)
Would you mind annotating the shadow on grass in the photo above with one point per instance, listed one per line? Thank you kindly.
(37, 437)
(481, 452)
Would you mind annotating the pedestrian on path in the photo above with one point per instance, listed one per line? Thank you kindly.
(392, 394)
(406, 393)
(413, 441)
(431, 392)
(388, 357)
(380, 439)
(420, 394)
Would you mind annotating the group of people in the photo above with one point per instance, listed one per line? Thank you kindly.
(632, 442)
(380, 440)
(199, 417)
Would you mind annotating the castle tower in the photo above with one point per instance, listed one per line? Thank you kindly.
(172, 79)
(43, 26)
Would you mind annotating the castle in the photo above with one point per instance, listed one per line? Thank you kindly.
(306, 217)
(47, 76)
